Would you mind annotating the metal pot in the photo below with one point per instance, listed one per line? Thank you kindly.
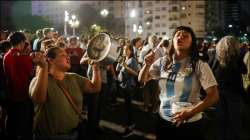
(103, 49)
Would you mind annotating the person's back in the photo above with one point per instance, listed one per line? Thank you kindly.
(18, 71)
(228, 72)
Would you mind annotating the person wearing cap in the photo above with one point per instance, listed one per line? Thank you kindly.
(181, 74)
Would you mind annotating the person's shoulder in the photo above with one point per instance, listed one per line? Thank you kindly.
(202, 66)
(72, 75)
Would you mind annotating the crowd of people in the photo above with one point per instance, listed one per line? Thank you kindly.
(48, 81)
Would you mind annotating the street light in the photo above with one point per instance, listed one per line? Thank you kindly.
(133, 13)
(74, 23)
(104, 12)
(73, 17)
(93, 26)
(134, 28)
(66, 19)
(140, 30)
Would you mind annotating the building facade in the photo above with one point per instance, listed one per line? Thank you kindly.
(162, 17)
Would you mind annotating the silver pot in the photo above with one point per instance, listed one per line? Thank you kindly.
(103, 49)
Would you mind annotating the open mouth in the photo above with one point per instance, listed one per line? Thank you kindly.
(179, 42)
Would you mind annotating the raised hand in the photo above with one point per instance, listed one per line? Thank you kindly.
(149, 58)
(39, 59)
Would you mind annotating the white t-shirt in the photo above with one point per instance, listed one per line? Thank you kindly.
(159, 52)
(179, 84)
(144, 52)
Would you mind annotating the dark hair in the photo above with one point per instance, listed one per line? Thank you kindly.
(165, 43)
(16, 38)
(4, 46)
(39, 33)
(193, 52)
(46, 31)
(52, 52)
(130, 47)
(135, 40)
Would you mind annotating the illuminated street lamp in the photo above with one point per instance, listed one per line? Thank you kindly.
(140, 30)
(73, 17)
(66, 19)
(74, 23)
(148, 22)
(134, 28)
(133, 13)
(104, 12)
(93, 26)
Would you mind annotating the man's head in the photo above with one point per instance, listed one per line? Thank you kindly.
(4, 46)
(39, 33)
(48, 32)
(73, 40)
(4, 34)
(137, 42)
(17, 39)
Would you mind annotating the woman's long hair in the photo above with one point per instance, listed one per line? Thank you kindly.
(228, 51)
(193, 53)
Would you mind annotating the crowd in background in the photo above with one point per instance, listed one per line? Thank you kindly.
(25, 56)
